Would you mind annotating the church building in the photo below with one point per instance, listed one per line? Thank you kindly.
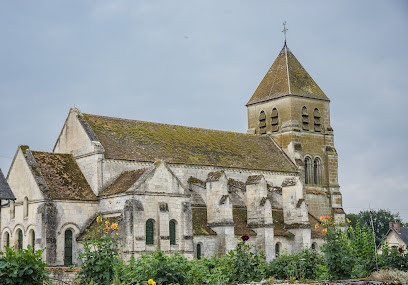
(184, 189)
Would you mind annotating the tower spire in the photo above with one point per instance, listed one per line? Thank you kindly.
(284, 30)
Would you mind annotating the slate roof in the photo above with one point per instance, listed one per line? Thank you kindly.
(5, 190)
(286, 76)
(61, 174)
(125, 139)
(123, 182)
(404, 234)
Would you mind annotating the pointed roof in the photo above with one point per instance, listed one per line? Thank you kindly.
(286, 77)
(5, 190)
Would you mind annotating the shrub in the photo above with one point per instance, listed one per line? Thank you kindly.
(23, 266)
(100, 255)
(307, 264)
(248, 262)
(338, 252)
(393, 258)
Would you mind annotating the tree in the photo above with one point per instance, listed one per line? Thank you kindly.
(381, 219)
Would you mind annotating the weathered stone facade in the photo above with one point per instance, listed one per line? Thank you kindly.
(212, 186)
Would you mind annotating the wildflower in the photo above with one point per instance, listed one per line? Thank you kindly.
(316, 226)
(106, 229)
(114, 226)
(151, 282)
(400, 249)
(327, 218)
(245, 238)
(324, 231)
(107, 224)
(348, 221)
(321, 218)
(98, 219)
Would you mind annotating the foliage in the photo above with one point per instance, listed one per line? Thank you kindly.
(338, 252)
(100, 255)
(363, 248)
(393, 258)
(381, 219)
(23, 266)
(248, 262)
(308, 264)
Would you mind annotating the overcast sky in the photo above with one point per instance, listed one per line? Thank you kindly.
(197, 63)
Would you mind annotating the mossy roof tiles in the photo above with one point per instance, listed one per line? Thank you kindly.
(123, 182)
(286, 76)
(146, 141)
(241, 223)
(200, 226)
(279, 224)
(63, 176)
(5, 190)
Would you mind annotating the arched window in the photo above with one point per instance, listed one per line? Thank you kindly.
(7, 239)
(262, 123)
(314, 246)
(149, 232)
(25, 207)
(308, 170)
(68, 247)
(32, 237)
(172, 230)
(19, 239)
(198, 251)
(317, 171)
(277, 248)
(274, 120)
(316, 120)
(305, 119)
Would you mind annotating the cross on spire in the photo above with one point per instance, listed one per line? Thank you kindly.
(284, 30)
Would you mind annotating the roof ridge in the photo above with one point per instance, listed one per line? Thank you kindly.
(164, 124)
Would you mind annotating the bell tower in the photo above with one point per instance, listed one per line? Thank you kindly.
(291, 108)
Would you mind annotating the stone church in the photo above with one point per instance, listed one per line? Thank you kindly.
(184, 189)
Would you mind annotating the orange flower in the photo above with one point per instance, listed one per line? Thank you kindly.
(348, 221)
(106, 230)
(107, 224)
(98, 219)
(321, 218)
(316, 226)
(114, 226)
(324, 231)
(327, 218)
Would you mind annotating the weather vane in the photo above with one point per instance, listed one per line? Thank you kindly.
(284, 30)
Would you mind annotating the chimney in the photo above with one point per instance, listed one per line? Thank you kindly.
(396, 226)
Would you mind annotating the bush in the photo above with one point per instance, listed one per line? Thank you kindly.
(100, 255)
(393, 258)
(23, 266)
(307, 264)
(248, 262)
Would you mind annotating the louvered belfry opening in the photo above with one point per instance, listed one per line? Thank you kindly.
(262, 123)
(275, 120)
(317, 122)
(305, 119)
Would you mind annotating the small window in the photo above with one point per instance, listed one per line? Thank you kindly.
(275, 120)
(262, 123)
(19, 239)
(198, 251)
(32, 240)
(314, 246)
(277, 249)
(6, 240)
(317, 122)
(317, 171)
(25, 207)
(149, 232)
(305, 119)
(172, 230)
(308, 170)
(68, 247)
